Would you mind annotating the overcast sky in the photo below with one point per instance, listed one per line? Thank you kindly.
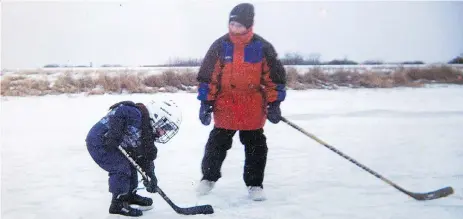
(151, 32)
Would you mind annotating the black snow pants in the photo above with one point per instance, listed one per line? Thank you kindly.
(220, 141)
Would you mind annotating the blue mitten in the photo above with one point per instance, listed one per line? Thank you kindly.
(205, 112)
(274, 112)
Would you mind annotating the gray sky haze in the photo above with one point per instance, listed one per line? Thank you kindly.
(35, 33)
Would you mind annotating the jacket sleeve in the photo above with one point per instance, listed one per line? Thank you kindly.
(115, 123)
(274, 75)
(208, 73)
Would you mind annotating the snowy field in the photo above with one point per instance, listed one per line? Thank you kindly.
(411, 136)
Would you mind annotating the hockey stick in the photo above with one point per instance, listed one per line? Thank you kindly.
(440, 193)
(200, 209)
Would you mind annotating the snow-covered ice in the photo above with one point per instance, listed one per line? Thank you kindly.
(411, 136)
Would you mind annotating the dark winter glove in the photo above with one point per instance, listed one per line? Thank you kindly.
(148, 168)
(274, 112)
(152, 184)
(205, 112)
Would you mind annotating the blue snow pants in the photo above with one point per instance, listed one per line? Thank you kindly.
(123, 176)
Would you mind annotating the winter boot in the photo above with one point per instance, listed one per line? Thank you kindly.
(256, 193)
(144, 203)
(204, 187)
(120, 205)
(135, 199)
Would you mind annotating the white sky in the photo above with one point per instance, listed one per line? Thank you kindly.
(35, 33)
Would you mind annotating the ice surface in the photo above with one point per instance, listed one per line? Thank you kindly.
(411, 136)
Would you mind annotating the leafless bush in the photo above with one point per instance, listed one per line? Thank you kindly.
(292, 76)
(346, 78)
(313, 76)
(109, 84)
(175, 80)
(65, 83)
(86, 83)
(154, 81)
(21, 86)
(440, 74)
(376, 80)
(188, 78)
(172, 79)
(131, 83)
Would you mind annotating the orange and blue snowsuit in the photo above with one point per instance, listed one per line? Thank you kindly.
(241, 75)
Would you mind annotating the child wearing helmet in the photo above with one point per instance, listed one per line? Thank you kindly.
(135, 127)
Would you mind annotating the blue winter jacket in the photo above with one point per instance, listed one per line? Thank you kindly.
(121, 126)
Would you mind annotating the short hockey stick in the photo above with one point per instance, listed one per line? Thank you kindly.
(200, 209)
(440, 193)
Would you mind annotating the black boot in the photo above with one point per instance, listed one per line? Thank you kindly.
(120, 205)
(135, 199)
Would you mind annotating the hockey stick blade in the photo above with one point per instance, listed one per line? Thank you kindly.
(440, 193)
(200, 209)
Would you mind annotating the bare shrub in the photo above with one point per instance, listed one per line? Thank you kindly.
(313, 76)
(154, 81)
(65, 84)
(292, 76)
(109, 84)
(132, 83)
(39, 84)
(171, 78)
(345, 78)
(370, 80)
(15, 77)
(188, 78)
(5, 85)
(440, 74)
(376, 80)
(86, 83)
(24, 87)
(400, 78)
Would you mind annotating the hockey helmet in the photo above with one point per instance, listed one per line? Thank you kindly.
(165, 117)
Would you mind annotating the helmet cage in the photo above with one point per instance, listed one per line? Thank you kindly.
(164, 129)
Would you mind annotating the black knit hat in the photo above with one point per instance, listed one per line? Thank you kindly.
(243, 14)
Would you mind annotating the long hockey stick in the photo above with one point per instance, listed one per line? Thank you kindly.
(440, 193)
(200, 209)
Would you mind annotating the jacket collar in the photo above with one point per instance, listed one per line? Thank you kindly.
(241, 39)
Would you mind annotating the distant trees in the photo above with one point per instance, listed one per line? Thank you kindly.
(457, 60)
(341, 62)
(51, 66)
(68, 66)
(373, 62)
(413, 63)
(312, 59)
(184, 62)
(178, 62)
(298, 59)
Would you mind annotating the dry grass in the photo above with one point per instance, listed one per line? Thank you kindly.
(441, 74)
(292, 76)
(174, 81)
(179, 80)
(22, 86)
